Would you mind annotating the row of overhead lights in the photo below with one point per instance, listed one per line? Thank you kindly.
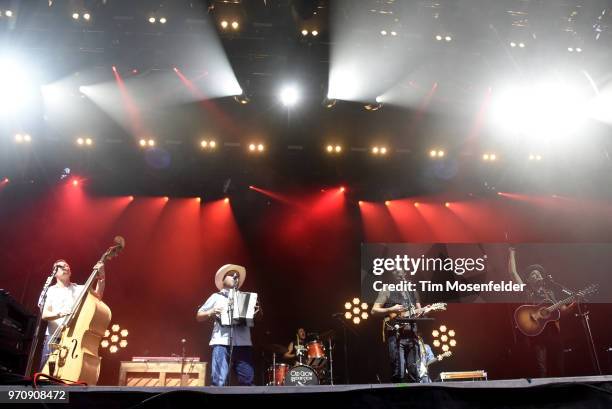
(415, 204)
(161, 20)
(23, 138)
(225, 25)
(313, 33)
(385, 33)
(84, 141)
(447, 38)
(85, 16)
(514, 44)
(76, 182)
(489, 157)
(211, 144)
(6, 13)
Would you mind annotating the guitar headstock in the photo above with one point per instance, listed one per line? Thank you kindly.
(593, 288)
(439, 306)
(444, 355)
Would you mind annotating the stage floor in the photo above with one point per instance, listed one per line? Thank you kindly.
(570, 392)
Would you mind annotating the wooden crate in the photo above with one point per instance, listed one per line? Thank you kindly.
(161, 373)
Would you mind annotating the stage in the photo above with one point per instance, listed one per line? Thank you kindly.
(569, 392)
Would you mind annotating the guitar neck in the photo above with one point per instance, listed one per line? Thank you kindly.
(563, 302)
(86, 287)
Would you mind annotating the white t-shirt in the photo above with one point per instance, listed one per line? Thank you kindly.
(220, 334)
(61, 299)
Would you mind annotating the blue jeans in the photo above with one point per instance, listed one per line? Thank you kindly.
(242, 363)
(404, 358)
(44, 355)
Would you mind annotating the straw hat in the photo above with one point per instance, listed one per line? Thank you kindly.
(221, 273)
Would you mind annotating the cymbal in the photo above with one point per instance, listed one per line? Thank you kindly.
(275, 348)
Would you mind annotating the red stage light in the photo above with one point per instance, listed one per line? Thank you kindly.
(199, 199)
(114, 68)
(226, 200)
(447, 204)
(387, 203)
(166, 198)
(416, 204)
(342, 189)
(131, 198)
(5, 180)
(360, 203)
(250, 186)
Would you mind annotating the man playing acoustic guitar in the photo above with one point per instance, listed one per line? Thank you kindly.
(547, 345)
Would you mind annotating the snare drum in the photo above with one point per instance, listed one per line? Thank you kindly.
(276, 374)
(316, 354)
(301, 375)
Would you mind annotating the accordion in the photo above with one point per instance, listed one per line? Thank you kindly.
(243, 309)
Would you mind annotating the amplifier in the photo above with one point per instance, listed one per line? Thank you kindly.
(17, 327)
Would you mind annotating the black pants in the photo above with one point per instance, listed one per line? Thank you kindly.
(404, 357)
(548, 352)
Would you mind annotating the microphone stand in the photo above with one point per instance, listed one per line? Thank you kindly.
(183, 377)
(41, 304)
(345, 339)
(584, 318)
(231, 336)
(331, 363)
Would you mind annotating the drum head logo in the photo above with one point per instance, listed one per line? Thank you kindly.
(301, 375)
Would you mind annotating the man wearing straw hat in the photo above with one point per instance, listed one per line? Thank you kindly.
(228, 342)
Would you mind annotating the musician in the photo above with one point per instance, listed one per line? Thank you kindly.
(401, 343)
(294, 346)
(427, 357)
(228, 277)
(61, 298)
(547, 346)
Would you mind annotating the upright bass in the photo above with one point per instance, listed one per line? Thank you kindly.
(74, 345)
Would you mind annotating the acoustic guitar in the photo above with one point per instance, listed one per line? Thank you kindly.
(531, 319)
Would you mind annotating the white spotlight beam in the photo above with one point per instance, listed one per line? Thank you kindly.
(18, 86)
(363, 63)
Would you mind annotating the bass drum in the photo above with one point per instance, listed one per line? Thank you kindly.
(276, 374)
(301, 375)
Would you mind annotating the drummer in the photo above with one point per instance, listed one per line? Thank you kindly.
(296, 348)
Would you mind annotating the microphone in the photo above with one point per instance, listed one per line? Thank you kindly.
(236, 276)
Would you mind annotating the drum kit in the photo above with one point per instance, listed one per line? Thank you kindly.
(312, 367)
